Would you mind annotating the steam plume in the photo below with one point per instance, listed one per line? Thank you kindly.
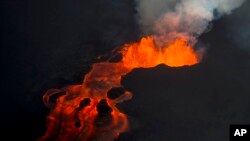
(169, 19)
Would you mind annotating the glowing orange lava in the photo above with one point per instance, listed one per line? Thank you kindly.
(146, 54)
(84, 112)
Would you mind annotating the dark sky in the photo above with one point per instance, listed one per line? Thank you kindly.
(49, 44)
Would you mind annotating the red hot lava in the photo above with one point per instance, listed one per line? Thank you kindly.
(86, 112)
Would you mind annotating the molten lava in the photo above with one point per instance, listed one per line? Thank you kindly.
(146, 54)
(86, 112)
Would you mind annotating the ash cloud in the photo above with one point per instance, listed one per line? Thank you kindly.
(168, 19)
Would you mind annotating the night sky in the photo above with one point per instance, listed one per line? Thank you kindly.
(50, 44)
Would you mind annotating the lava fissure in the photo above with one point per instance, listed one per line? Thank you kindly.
(88, 111)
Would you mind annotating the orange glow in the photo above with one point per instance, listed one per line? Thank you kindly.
(146, 54)
(75, 114)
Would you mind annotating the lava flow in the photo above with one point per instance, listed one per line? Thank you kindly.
(88, 111)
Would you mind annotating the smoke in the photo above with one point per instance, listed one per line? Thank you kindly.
(170, 19)
(238, 26)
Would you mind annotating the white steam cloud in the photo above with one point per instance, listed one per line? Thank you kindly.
(168, 19)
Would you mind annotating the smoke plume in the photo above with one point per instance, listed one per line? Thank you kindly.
(170, 19)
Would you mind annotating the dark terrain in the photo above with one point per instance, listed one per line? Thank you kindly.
(50, 44)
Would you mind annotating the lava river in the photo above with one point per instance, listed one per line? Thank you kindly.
(88, 111)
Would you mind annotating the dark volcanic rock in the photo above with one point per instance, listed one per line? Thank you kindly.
(103, 108)
(186, 103)
(115, 92)
(104, 117)
(85, 102)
